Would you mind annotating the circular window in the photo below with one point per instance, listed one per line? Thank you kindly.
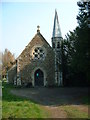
(38, 53)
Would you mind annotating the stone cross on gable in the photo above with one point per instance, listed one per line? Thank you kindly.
(38, 28)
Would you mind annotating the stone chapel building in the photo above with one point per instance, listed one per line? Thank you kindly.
(39, 64)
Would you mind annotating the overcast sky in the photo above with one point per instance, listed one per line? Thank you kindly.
(20, 19)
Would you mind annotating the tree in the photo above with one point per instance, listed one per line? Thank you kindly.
(78, 47)
(7, 61)
(0, 64)
(69, 57)
(83, 33)
(84, 13)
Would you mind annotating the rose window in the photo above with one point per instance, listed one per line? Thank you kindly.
(38, 53)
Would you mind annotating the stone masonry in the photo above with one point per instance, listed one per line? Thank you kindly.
(39, 64)
(27, 65)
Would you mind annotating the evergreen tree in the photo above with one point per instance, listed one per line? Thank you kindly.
(77, 46)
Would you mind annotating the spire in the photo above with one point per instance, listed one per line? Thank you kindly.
(56, 27)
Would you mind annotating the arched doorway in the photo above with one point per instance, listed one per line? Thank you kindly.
(39, 78)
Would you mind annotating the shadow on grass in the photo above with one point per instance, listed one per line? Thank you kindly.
(47, 96)
(7, 96)
(18, 107)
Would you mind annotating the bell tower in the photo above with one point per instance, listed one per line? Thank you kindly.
(56, 45)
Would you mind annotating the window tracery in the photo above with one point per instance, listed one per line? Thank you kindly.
(38, 53)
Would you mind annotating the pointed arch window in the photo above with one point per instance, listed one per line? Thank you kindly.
(53, 45)
(58, 45)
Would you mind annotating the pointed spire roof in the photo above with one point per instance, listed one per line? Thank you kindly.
(56, 27)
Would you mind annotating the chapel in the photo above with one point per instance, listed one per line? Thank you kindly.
(39, 64)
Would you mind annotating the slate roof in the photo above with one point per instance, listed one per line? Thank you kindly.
(56, 27)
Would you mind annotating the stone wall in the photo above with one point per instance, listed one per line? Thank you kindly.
(12, 74)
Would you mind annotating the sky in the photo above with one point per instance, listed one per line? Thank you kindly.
(20, 18)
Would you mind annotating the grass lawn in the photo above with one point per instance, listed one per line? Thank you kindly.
(73, 112)
(17, 107)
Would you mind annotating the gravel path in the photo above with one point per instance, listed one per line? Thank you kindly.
(52, 98)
